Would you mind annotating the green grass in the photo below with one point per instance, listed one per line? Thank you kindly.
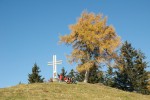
(63, 91)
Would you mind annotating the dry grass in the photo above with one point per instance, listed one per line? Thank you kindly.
(63, 91)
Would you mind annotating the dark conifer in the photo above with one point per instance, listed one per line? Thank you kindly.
(95, 75)
(109, 77)
(71, 73)
(34, 77)
(131, 70)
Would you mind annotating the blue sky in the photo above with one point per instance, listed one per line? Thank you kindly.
(30, 29)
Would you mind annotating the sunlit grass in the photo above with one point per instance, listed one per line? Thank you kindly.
(63, 91)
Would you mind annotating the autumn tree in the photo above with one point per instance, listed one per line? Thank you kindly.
(93, 41)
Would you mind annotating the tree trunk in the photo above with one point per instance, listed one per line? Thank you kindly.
(86, 76)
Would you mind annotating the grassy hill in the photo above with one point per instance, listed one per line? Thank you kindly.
(63, 91)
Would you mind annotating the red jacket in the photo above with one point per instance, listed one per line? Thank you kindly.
(60, 77)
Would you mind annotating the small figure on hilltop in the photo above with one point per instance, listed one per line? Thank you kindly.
(65, 79)
(70, 80)
(60, 77)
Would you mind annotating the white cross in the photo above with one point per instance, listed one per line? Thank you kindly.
(54, 63)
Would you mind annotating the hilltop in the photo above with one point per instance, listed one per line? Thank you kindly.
(57, 91)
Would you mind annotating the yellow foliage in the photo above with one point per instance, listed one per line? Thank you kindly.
(85, 66)
(89, 36)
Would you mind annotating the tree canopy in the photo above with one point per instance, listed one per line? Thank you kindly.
(34, 77)
(93, 41)
(131, 70)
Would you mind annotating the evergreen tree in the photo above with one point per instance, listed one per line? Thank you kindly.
(122, 80)
(148, 80)
(125, 74)
(80, 76)
(109, 77)
(101, 76)
(141, 78)
(34, 77)
(76, 75)
(131, 70)
(95, 75)
(71, 73)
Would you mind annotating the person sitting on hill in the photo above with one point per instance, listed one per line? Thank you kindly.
(60, 78)
(65, 79)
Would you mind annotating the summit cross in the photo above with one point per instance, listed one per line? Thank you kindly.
(54, 64)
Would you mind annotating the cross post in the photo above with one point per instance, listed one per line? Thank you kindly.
(54, 63)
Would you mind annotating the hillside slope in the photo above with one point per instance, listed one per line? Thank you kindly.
(57, 91)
